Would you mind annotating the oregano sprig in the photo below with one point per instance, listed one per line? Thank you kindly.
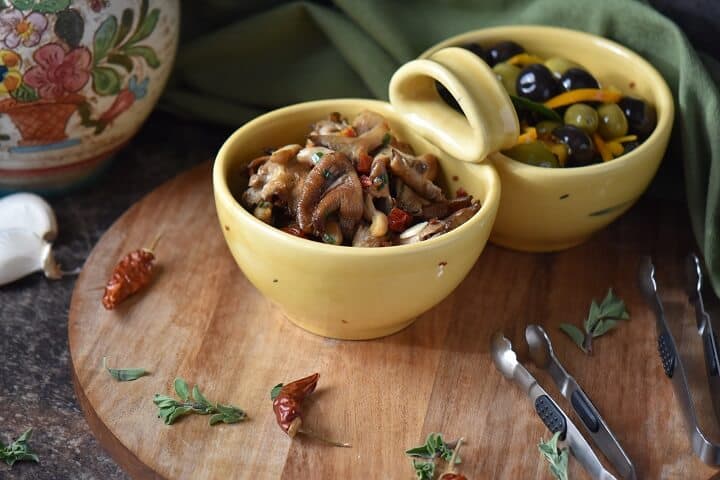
(601, 319)
(19, 450)
(557, 458)
(171, 409)
(434, 448)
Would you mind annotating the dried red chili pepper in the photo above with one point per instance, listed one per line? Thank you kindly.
(348, 132)
(131, 274)
(399, 220)
(287, 405)
(453, 476)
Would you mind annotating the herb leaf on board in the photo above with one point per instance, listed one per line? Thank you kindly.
(557, 458)
(601, 319)
(170, 409)
(124, 374)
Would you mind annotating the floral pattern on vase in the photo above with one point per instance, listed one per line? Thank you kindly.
(77, 79)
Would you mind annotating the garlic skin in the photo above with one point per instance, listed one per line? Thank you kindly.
(22, 252)
(30, 212)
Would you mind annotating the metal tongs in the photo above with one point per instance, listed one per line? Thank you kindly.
(554, 418)
(708, 451)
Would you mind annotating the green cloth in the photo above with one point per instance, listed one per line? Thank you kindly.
(240, 59)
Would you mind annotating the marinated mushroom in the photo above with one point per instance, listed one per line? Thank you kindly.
(353, 184)
(275, 181)
(368, 131)
(331, 186)
(418, 172)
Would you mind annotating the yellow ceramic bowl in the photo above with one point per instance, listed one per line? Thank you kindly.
(545, 209)
(347, 292)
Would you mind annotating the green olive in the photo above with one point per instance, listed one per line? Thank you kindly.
(613, 123)
(559, 65)
(533, 153)
(545, 128)
(582, 116)
(507, 74)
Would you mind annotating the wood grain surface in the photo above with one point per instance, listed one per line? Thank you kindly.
(202, 320)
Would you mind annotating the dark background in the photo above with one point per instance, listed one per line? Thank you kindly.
(35, 384)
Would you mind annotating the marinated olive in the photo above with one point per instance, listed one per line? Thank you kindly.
(545, 128)
(580, 148)
(476, 49)
(640, 115)
(537, 83)
(582, 116)
(560, 65)
(533, 153)
(613, 123)
(502, 51)
(575, 78)
(508, 76)
(447, 96)
(630, 146)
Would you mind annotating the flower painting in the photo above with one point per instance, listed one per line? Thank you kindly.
(53, 68)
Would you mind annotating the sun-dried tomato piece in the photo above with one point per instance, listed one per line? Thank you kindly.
(399, 220)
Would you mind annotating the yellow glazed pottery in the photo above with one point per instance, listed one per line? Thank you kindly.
(359, 293)
(545, 209)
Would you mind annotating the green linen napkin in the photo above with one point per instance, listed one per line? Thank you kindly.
(240, 59)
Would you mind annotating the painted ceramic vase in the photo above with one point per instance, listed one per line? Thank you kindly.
(77, 79)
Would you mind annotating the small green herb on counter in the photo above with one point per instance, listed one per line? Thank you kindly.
(601, 319)
(558, 458)
(124, 374)
(170, 409)
(19, 450)
(434, 448)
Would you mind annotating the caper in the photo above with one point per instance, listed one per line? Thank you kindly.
(560, 65)
(582, 116)
(507, 74)
(613, 122)
(533, 153)
(545, 128)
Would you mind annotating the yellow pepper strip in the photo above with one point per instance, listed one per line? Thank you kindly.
(625, 139)
(559, 150)
(524, 59)
(602, 148)
(615, 148)
(529, 135)
(584, 95)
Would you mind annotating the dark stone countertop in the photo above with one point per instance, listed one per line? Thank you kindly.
(35, 385)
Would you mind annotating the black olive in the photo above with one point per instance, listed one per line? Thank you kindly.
(575, 78)
(537, 83)
(447, 96)
(501, 52)
(641, 116)
(581, 151)
(630, 146)
(476, 49)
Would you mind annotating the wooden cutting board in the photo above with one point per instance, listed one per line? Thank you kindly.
(203, 321)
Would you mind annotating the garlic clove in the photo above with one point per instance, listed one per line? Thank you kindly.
(30, 212)
(22, 252)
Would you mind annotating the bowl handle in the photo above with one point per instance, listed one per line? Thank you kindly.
(489, 123)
